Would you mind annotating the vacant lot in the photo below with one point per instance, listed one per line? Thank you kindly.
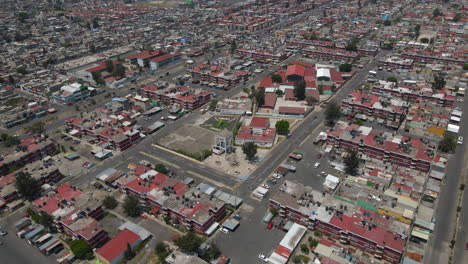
(189, 139)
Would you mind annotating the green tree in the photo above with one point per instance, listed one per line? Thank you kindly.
(22, 70)
(424, 40)
(109, 65)
(11, 79)
(132, 206)
(110, 202)
(97, 77)
(260, 97)
(387, 23)
(95, 22)
(250, 150)
(296, 259)
(161, 168)
(213, 104)
(448, 143)
(313, 243)
(279, 92)
(22, 16)
(233, 46)
(311, 100)
(304, 249)
(392, 79)
(417, 28)
(352, 45)
(37, 128)
(436, 12)
(80, 248)
(276, 78)
(274, 211)
(190, 242)
(282, 126)
(438, 83)
(212, 253)
(118, 71)
(346, 67)
(26, 185)
(351, 162)
(457, 17)
(163, 251)
(92, 48)
(129, 253)
(9, 141)
(465, 66)
(300, 90)
(332, 112)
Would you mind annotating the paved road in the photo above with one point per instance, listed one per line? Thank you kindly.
(438, 246)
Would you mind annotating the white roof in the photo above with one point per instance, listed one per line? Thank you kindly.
(453, 128)
(323, 73)
(277, 259)
(293, 237)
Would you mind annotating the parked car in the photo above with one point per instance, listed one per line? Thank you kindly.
(262, 257)
(224, 230)
(3, 231)
(317, 165)
(163, 118)
(237, 217)
(277, 176)
(270, 225)
(271, 181)
(97, 185)
(460, 140)
(266, 186)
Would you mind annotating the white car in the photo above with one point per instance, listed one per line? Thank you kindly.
(276, 176)
(224, 230)
(266, 186)
(262, 257)
(317, 165)
(460, 140)
(324, 174)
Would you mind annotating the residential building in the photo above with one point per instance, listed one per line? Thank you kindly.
(185, 97)
(374, 106)
(114, 250)
(258, 132)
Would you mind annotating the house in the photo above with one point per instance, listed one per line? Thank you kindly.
(143, 58)
(164, 60)
(179, 257)
(72, 93)
(258, 132)
(114, 250)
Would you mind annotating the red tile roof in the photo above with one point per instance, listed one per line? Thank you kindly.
(260, 122)
(145, 55)
(117, 245)
(270, 100)
(291, 110)
(102, 66)
(296, 70)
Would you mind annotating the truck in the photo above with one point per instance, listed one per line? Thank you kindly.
(173, 118)
(295, 156)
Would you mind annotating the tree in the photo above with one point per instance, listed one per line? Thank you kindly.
(109, 65)
(22, 70)
(279, 92)
(129, 253)
(92, 48)
(387, 23)
(250, 150)
(80, 248)
(457, 17)
(424, 40)
(88, 26)
(448, 143)
(190, 242)
(260, 97)
(274, 211)
(436, 12)
(299, 90)
(417, 28)
(22, 16)
(163, 251)
(438, 83)
(95, 22)
(359, 4)
(9, 141)
(392, 79)
(161, 168)
(296, 259)
(233, 46)
(282, 126)
(352, 45)
(11, 79)
(97, 77)
(276, 78)
(213, 104)
(465, 66)
(351, 162)
(346, 67)
(110, 202)
(132, 206)
(332, 112)
(37, 128)
(26, 185)
(212, 253)
(118, 71)
(304, 249)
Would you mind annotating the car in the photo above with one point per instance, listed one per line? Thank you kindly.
(89, 165)
(317, 165)
(262, 257)
(3, 231)
(97, 185)
(466, 246)
(108, 189)
(144, 216)
(460, 140)
(270, 225)
(76, 141)
(271, 181)
(277, 176)
(163, 118)
(26, 215)
(237, 217)
(224, 230)
(266, 186)
(67, 138)
(85, 164)
(324, 174)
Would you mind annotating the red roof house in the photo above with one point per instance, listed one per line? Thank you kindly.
(114, 250)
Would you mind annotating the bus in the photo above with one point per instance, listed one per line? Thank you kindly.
(42, 240)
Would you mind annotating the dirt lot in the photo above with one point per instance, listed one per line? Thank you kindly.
(197, 138)
(218, 123)
(234, 164)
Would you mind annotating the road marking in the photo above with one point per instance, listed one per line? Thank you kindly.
(160, 160)
(210, 180)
